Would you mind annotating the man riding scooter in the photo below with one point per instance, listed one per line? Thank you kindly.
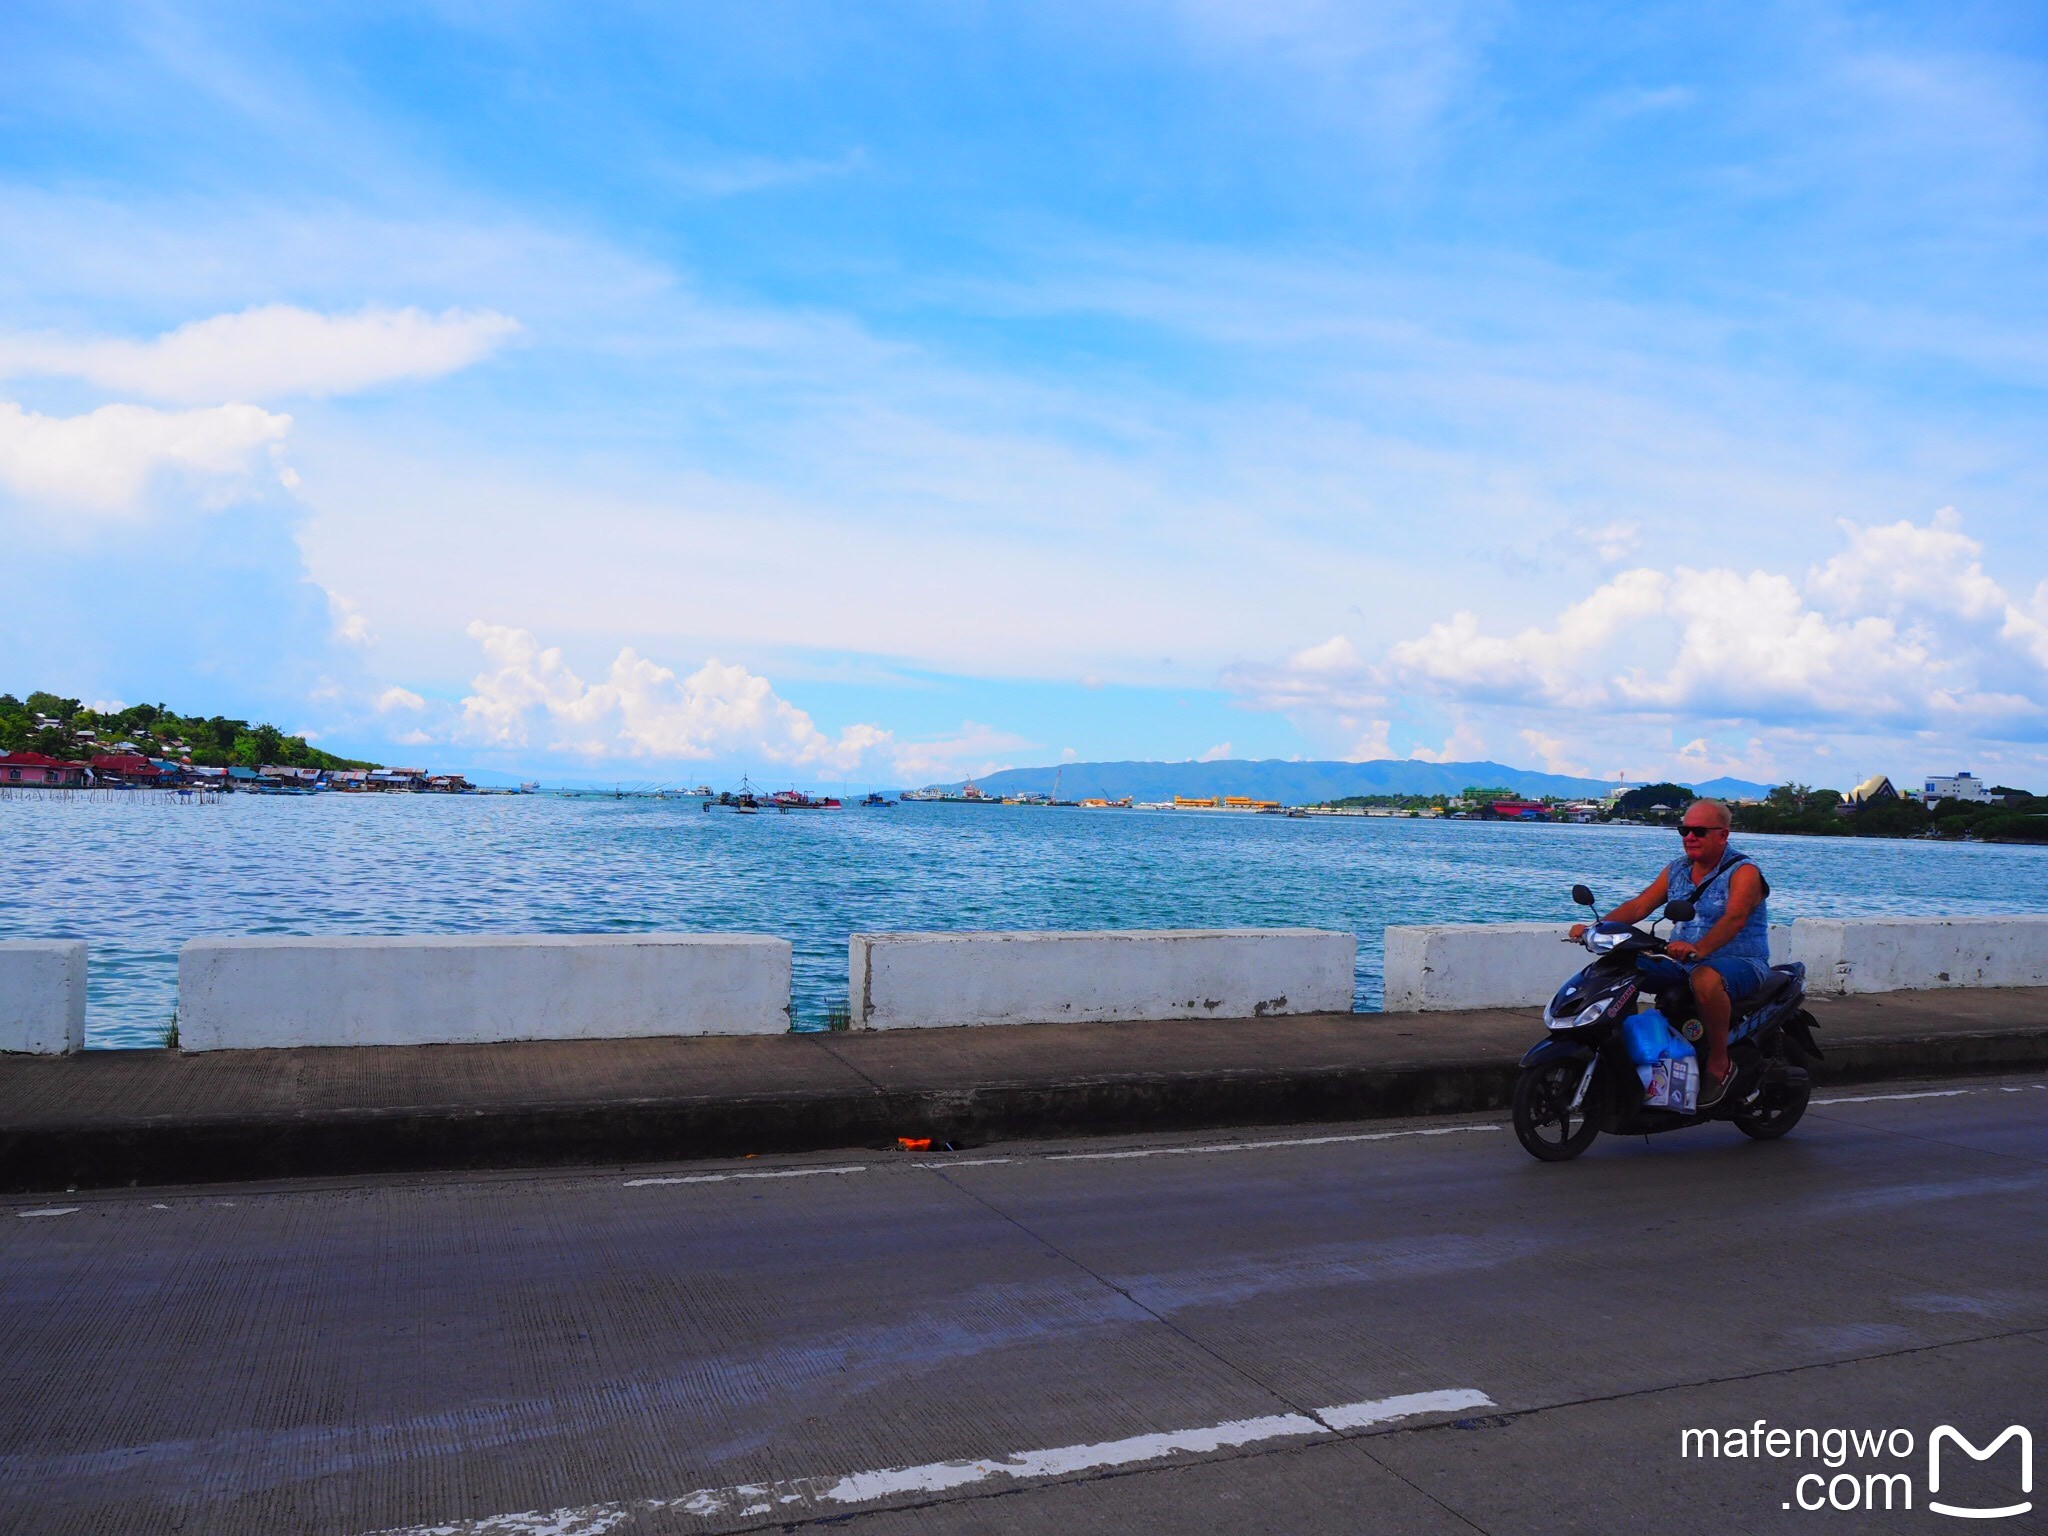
(1725, 945)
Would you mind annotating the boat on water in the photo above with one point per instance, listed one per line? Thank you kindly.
(743, 800)
(797, 800)
(877, 801)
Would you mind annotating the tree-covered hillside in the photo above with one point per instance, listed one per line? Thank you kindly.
(60, 727)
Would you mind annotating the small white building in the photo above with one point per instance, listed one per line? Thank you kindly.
(1961, 786)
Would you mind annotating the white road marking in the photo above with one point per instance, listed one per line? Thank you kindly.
(805, 1494)
(1259, 1146)
(1130, 1153)
(764, 1173)
(50, 1210)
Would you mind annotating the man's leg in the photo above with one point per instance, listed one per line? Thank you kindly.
(1711, 993)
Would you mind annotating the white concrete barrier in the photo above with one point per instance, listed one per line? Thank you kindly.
(1518, 965)
(1894, 954)
(431, 989)
(1442, 966)
(42, 995)
(922, 980)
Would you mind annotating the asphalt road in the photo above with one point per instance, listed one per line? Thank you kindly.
(1382, 1327)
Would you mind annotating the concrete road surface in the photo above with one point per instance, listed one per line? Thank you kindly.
(1382, 1327)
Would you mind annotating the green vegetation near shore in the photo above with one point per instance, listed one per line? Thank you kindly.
(2016, 818)
(155, 731)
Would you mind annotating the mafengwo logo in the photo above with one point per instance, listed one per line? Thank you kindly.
(1867, 1471)
(1947, 1435)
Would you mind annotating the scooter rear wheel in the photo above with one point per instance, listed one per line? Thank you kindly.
(1769, 1123)
(1545, 1123)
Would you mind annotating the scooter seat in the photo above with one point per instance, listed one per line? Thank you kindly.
(1777, 981)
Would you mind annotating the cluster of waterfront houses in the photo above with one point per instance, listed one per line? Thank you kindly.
(125, 767)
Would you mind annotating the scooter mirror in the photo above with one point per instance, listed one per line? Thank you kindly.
(1679, 911)
(1582, 895)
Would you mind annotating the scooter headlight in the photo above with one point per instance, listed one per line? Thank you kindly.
(1591, 1014)
(1601, 943)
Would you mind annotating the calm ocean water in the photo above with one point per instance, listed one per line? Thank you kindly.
(138, 877)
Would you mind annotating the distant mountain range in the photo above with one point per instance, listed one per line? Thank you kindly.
(1304, 783)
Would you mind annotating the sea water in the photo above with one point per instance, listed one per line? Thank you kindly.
(138, 875)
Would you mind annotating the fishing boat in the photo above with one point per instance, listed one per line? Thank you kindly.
(797, 800)
(878, 801)
(742, 801)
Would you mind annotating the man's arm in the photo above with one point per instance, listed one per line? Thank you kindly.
(1745, 890)
(1636, 908)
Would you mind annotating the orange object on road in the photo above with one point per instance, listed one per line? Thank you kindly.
(914, 1143)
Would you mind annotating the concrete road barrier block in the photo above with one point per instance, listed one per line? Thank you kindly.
(42, 995)
(1441, 966)
(429, 989)
(922, 980)
(1895, 954)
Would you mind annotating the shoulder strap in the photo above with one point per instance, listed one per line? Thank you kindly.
(1730, 862)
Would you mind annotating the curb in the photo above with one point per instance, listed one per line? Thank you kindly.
(339, 1143)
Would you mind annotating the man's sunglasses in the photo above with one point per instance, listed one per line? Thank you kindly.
(1686, 831)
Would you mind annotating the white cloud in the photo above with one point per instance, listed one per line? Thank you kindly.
(1373, 745)
(106, 460)
(1330, 675)
(976, 749)
(1903, 629)
(396, 698)
(1465, 744)
(1617, 541)
(1459, 656)
(1215, 754)
(644, 710)
(348, 625)
(1554, 755)
(1903, 567)
(274, 350)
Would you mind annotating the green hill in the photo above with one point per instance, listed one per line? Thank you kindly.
(60, 727)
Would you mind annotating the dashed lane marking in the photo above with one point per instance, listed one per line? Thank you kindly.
(1260, 1146)
(824, 1494)
(760, 1173)
(50, 1210)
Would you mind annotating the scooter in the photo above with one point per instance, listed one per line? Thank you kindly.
(1583, 1077)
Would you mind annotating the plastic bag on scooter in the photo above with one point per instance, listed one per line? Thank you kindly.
(1665, 1061)
(1649, 1037)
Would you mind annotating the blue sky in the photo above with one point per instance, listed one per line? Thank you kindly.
(874, 394)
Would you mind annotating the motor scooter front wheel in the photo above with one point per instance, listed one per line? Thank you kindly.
(1545, 1123)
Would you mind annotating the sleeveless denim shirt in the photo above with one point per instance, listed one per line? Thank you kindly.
(1752, 943)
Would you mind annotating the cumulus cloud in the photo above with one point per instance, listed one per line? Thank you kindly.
(349, 626)
(644, 710)
(395, 698)
(1465, 743)
(1215, 754)
(1904, 567)
(1904, 629)
(106, 460)
(274, 350)
(1556, 758)
(1331, 675)
(975, 749)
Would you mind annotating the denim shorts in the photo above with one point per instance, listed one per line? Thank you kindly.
(1740, 976)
